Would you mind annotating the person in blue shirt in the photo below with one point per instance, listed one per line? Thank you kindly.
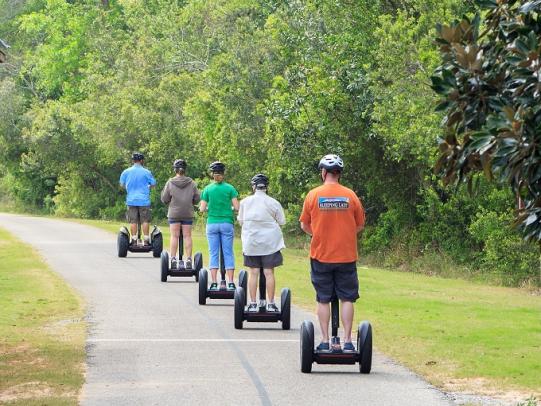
(137, 180)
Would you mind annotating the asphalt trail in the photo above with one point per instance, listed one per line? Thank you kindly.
(151, 343)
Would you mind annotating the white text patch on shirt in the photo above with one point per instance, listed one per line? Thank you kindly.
(333, 203)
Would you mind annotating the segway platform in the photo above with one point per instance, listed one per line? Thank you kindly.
(181, 270)
(262, 315)
(363, 354)
(222, 292)
(155, 244)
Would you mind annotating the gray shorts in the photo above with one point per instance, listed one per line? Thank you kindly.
(264, 261)
(136, 214)
(334, 280)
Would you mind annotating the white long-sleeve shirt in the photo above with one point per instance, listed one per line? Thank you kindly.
(261, 217)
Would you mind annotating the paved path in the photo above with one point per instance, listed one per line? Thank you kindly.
(150, 343)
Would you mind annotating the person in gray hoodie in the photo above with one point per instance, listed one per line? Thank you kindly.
(181, 194)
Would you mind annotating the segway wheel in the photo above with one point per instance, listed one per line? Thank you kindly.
(122, 243)
(243, 283)
(240, 300)
(157, 245)
(164, 263)
(364, 346)
(203, 285)
(285, 305)
(197, 264)
(307, 346)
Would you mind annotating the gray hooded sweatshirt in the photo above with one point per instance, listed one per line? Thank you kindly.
(180, 193)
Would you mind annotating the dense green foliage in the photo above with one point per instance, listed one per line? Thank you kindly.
(491, 88)
(262, 85)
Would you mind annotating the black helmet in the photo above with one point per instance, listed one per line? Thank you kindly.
(137, 156)
(332, 163)
(217, 167)
(260, 181)
(179, 164)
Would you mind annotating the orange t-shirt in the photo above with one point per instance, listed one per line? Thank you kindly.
(334, 212)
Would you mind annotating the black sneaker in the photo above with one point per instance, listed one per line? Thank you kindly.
(213, 286)
(323, 347)
(174, 263)
(272, 308)
(252, 308)
(231, 286)
(349, 347)
(188, 263)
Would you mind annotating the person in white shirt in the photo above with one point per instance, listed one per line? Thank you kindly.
(261, 217)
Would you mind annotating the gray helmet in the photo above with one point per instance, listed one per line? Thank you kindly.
(332, 163)
(217, 167)
(179, 164)
(137, 156)
(260, 181)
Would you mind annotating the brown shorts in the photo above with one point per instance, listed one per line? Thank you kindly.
(264, 261)
(136, 214)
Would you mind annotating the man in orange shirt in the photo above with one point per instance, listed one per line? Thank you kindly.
(333, 215)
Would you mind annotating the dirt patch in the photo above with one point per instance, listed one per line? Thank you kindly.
(484, 387)
(26, 390)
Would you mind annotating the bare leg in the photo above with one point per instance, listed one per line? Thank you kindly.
(324, 315)
(187, 237)
(269, 276)
(252, 283)
(213, 274)
(230, 275)
(173, 244)
(347, 319)
(133, 230)
(146, 228)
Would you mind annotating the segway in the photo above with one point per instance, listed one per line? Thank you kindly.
(261, 316)
(222, 292)
(180, 270)
(123, 242)
(363, 354)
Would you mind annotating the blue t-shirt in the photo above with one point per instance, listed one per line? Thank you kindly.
(136, 181)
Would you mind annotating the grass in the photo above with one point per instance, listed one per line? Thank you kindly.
(41, 331)
(460, 335)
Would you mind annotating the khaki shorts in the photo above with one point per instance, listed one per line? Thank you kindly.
(136, 214)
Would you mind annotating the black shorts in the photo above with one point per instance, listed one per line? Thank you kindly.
(332, 280)
(264, 261)
(138, 214)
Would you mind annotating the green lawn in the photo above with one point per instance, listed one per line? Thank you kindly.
(42, 334)
(460, 335)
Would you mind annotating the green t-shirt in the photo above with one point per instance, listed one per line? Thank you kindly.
(218, 196)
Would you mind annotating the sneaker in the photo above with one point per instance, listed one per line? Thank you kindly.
(323, 347)
(271, 307)
(133, 242)
(146, 242)
(252, 308)
(213, 286)
(188, 263)
(231, 286)
(174, 263)
(349, 347)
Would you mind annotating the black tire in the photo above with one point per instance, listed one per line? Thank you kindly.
(164, 266)
(364, 346)
(307, 346)
(157, 245)
(197, 264)
(203, 286)
(240, 300)
(122, 243)
(285, 305)
(243, 283)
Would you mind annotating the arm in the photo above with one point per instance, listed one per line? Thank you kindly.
(151, 180)
(196, 194)
(166, 194)
(235, 203)
(359, 216)
(203, 206)
(280, 216)
(240, 217)
(307, 228)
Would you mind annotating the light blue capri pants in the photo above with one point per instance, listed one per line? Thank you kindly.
(224, 233)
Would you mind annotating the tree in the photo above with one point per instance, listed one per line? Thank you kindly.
(489, 80)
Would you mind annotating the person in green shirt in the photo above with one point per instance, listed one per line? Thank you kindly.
(219, 199)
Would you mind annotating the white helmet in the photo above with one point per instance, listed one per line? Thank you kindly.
(332, 163)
